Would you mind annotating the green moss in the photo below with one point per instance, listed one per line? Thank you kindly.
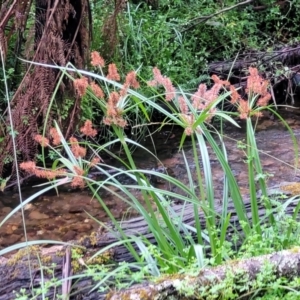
(22, 253)
(89, 239)
(46, 259)
(76, 266)
(143, 295)
(93, 237)
(293, 188)
(295, 249)
(101, 259)
(78, 251)
(60, 253)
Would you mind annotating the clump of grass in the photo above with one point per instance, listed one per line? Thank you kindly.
(177, 244)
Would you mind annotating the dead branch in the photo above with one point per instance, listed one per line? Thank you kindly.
(203, 19)
(288, 56)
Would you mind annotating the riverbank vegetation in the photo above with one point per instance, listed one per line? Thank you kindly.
(120, 96)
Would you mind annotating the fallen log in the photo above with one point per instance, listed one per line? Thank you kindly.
(283, 264)
(288, 56)
(32, 267)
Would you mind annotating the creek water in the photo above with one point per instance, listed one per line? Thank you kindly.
(67, 216)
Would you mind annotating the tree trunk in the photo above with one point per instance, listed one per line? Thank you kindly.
(61, 34)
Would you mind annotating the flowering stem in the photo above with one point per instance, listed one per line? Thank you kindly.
(251, 176)
(201, 191)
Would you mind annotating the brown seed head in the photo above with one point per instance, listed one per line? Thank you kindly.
(81, 85)
(44, 142)
(97, 60)
(113, 72)
(56, 138)
(97, 90)
(88, 130)
(131, 80)
(166, 82)
(28, 166)
(77, 150)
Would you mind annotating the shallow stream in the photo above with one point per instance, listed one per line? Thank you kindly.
(65, 216)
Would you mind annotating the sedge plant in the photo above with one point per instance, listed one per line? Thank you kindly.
(193, 113)
(177, 244)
